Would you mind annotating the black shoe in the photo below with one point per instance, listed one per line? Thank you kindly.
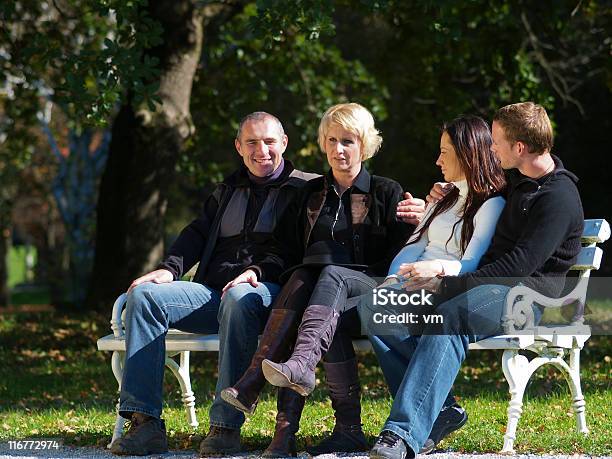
(389, 445)
(450, 419)
(220, 442)
(343, 439)
(146, 435)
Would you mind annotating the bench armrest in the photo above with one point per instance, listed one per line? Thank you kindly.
(116, 321)
(518, 312)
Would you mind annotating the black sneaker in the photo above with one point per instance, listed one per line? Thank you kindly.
(389, 445)
(146, 435)
(220, 441)
(450, 419)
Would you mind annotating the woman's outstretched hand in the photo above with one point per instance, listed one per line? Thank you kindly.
(411, 210)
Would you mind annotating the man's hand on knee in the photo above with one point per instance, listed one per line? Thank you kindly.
(159, 276)
(249, 276)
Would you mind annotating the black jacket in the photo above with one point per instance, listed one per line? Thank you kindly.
(377, 233)
(225, 210)
(537, 237)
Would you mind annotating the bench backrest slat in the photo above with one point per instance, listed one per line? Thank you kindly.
(596, 231)
(588, 258)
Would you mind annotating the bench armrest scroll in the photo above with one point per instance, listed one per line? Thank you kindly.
(116, 321)
(518, 313)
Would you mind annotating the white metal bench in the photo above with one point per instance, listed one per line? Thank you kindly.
(551, 344)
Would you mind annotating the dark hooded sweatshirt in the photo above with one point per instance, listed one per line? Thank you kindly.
(537, 237)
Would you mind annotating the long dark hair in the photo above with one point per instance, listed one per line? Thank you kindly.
(471, 138)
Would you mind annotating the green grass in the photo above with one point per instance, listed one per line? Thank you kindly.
(38, 296)
(55, 384)
(17, 272)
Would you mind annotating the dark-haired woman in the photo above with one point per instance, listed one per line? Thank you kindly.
(452, 237)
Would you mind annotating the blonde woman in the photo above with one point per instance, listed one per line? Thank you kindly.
(345, 218)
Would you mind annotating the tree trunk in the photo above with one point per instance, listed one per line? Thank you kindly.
(5, 244)
(142, 156)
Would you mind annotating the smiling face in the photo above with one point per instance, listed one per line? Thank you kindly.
(261, 146)
(343, 150)
(448, 161)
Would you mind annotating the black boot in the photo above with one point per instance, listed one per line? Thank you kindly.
(314, 338)
(345, 394)
(290, 406)
(279, 333)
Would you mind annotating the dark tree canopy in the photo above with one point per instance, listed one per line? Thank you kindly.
(174, 77)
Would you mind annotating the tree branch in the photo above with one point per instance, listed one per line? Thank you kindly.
(556, 80)
(63, 13)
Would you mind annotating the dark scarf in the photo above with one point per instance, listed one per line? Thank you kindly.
(261, 181)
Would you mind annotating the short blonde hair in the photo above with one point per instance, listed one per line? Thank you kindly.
(356, 119)
(528, 123)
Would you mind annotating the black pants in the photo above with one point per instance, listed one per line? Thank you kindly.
(334, 287)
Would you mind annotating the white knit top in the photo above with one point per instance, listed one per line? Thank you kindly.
(433, 243)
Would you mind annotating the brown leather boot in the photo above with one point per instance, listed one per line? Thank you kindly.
(275, 342)
(220, 442)
(345, 393)
(146, 435)
(290, 406)
(314, 338)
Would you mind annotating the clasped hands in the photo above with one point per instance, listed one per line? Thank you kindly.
(419, 275)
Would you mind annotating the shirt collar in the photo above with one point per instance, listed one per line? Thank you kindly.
(362, 181)
(462, 185)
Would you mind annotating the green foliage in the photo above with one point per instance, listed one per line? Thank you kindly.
(16, 120)
(293, 77)
(436, 59)
(88, 53)
(16, 148)
(414, 64)
(420, 62)
(276, 18)
(442, 59)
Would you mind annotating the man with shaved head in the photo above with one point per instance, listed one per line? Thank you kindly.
(235, 283)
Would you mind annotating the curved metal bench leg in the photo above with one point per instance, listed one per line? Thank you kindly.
(181, 372)
(516, 371)
(117, 366)
(572, 375)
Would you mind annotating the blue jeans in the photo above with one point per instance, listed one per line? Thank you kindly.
(152, 309)
(421, 370)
